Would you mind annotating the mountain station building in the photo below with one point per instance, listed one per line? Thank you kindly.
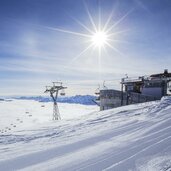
(137, 90)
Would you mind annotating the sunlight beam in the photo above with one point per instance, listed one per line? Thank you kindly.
(117, 40)
(120, 20)
(90, 17)
(81, 24)
(115, 49)
(86, 49)
(69, 32)
(99, 23)
(118, 32)
(99, 63)
(108, 20)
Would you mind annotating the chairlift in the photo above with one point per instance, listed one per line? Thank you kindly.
(62, 92)
(97, 93)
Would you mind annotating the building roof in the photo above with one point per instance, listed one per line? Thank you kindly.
(132, 80)
(167, 75)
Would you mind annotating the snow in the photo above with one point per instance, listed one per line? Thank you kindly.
(134, 138)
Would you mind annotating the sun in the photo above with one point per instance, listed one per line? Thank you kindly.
(99, 38)
(100, 35)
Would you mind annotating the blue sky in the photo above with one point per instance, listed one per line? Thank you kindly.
(34, 51)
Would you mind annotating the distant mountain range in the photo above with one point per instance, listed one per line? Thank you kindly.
(78, 99)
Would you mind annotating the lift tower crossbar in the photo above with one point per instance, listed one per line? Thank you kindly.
(53, 90)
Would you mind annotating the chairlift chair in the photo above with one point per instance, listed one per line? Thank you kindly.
(62, 92)
(97, 91)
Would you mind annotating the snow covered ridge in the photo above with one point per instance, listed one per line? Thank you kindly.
(78, 99)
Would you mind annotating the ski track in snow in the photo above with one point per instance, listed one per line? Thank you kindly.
(135, 137)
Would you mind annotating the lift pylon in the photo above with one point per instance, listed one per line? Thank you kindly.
(53, 90)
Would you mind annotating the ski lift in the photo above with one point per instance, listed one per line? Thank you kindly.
(62, 92)
(97, 91)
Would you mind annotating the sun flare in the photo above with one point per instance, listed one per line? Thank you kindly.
(101, 35)
(99, 38)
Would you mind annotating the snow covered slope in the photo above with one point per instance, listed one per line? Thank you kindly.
(135, 137)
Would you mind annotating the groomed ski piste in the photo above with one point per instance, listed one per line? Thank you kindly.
(130, 138)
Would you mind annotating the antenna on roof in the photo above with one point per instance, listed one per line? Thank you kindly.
(53, 90)
(104, 86)
(126, 75)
